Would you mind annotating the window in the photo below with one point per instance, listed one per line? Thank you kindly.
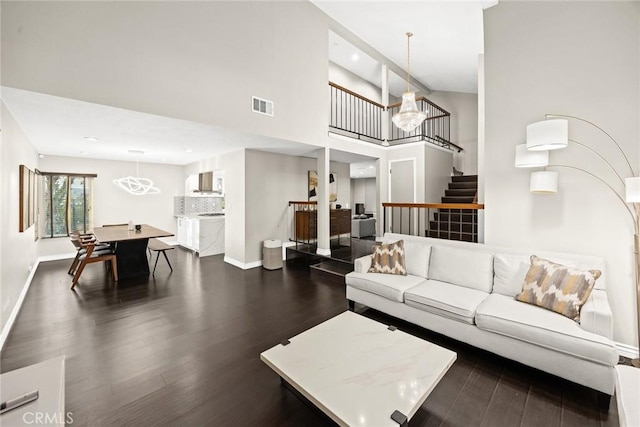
(66, 204)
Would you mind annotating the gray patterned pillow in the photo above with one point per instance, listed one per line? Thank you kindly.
(557, 287)
(389, 258)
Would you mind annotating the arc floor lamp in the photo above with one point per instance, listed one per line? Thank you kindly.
(552, 134)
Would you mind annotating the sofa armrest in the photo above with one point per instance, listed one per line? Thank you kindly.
(363, 264)
(596, 315)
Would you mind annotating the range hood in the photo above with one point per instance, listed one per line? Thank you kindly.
(205, 182)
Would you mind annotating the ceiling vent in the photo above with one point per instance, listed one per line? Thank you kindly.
(262, 106)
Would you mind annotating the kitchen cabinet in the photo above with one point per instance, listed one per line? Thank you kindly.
(204, 235)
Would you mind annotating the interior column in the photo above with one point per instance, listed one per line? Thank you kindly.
(324, 246)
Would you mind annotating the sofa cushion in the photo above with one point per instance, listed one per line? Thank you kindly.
(389, 286)
(388, 258)
(462, 267)
(452, 301)
(416, 258)
(510, 271)
(504, 315)
(557, 287)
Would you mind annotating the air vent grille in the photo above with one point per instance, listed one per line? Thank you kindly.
(262, 106)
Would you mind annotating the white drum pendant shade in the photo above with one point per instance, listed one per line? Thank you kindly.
(548, 135)
(632, 187)
(530, 159)
(544, 182)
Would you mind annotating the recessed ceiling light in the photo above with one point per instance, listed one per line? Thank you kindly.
(136, 152)
(188, 150)
(41, 156)
(164, 160)
(91, 138)
(355, 57)
(84, 153)
(370, 167)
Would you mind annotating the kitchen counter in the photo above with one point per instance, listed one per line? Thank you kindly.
(203, 234)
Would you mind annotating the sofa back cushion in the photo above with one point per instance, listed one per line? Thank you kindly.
(462, 267)
(510, 271)
(416, 257)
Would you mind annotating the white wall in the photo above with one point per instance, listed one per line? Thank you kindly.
(464, 126)
(363, 190)
(581, 59)
(272, 180)
(113, 205)
(347, 79)
(17, 250)
(198, 61)
(438, 164)
(233, 165)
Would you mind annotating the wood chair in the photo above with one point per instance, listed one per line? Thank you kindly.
(79, 240)
(92, 256)
(158, 246)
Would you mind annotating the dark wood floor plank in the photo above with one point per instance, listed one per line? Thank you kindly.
(183, 349)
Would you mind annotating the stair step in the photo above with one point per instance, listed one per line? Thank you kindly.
(468, 192)
(458, 199)
(463, 184)
(453, 226)
(462, 178)
(456, 217)
(465, 237)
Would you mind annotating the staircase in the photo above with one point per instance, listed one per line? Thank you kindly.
(457, 224)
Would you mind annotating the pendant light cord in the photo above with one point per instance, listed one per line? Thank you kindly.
(409, 61)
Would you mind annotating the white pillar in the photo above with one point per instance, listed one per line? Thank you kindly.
(324, 244)
(385, 101)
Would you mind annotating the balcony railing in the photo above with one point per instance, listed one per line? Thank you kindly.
(355, 115)
(435, 129)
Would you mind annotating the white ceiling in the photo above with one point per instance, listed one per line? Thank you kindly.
(363, 169)
(59, 126)
(448, 37)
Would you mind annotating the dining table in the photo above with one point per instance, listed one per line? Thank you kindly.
(130, 247)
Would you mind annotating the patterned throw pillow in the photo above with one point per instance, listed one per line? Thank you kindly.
(389, 258)
(557, 287)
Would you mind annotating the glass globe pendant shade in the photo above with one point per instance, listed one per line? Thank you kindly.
(409, 117)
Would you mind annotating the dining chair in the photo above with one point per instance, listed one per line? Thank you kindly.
(92, 256)
(78, 240)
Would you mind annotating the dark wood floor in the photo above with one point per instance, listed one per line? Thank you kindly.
(183, 349)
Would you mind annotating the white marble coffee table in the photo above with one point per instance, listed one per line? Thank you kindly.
(358, 371)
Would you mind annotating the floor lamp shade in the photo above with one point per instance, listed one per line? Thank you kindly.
(632, 187)
(530, 159)
(548, 135)
(544, 182)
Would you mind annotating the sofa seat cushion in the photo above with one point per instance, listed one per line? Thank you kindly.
(452, 301)
(506, 316)
(390, 286)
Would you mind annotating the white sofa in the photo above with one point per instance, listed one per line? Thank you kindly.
(466, 291)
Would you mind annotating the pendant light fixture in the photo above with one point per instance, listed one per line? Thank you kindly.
(135, 184)
(409, 117)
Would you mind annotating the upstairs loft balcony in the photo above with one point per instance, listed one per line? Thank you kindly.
(356, 116)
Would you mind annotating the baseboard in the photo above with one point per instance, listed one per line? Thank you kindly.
(323, 252)
(627, 350)
(56, 257)
(242, 265)
(16, 308)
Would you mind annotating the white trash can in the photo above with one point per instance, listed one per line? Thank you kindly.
(272, 254)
